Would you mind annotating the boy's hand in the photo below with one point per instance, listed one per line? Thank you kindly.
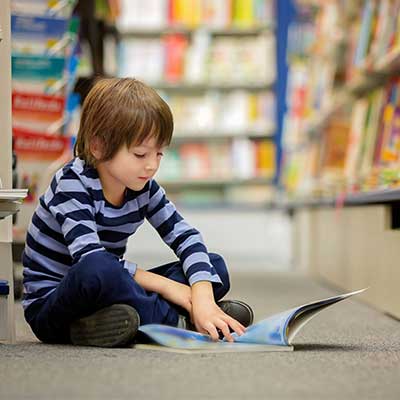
(208, 317)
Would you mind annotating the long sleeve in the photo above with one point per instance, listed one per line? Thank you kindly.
(73, 208)
(182, 238)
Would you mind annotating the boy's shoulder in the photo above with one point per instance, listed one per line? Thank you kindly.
(77, 169)
(75, 174)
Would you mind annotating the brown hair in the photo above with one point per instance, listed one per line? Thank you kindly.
(121, 111)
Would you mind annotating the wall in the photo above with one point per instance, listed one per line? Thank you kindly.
(351, 248)
(248, 240)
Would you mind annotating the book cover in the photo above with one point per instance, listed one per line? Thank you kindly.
(195, 160)
(34, 67)
(37, 112)
(175, 49)
(265, 158)
(371, 131)
(275, 333)
(38, 28)
(60, 8)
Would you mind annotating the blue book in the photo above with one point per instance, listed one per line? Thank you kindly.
(39, 28)
(274, 333)
(33, 67)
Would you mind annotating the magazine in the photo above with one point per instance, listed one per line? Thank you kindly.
(274, 333)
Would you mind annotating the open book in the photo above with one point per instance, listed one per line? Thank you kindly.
(274, 333)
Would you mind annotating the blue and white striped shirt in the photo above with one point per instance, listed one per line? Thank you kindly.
(73, 219)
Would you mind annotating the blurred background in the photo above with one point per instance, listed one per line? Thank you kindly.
(287, 122)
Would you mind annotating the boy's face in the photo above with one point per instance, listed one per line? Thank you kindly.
(131, 167)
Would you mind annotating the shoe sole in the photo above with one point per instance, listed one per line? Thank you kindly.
(238, 302)
(113, 326)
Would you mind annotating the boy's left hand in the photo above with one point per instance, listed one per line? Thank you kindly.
(208, 317)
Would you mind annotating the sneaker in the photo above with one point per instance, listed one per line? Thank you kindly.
(238, 310)
(114, 326)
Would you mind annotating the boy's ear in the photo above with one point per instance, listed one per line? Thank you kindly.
(96, 148)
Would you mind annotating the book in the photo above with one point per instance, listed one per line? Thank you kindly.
(38, 112)
(61, 8)
(275, 333)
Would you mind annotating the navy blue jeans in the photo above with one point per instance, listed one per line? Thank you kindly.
(97, 281)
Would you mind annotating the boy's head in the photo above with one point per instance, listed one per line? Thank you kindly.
(121, 112)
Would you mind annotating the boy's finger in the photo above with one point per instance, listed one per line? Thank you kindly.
(229, 320)
(236, 326)
(223, 326)
(212, 331)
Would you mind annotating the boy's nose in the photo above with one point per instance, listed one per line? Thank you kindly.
(151, 166)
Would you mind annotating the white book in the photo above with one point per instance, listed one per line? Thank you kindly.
(10, 195)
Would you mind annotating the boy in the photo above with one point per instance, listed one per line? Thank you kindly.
(77, 287)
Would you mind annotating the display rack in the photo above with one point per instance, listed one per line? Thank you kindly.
(355, 73)
(7, 325)
(341, 164)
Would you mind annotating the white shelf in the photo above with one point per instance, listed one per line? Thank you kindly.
(187, 87)
(215, 135)
(201, 183)
(168, 30)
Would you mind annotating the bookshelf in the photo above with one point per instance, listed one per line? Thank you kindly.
(204, 59)
(350, 82)
(44, 62)
(7, 326)
(341, 162)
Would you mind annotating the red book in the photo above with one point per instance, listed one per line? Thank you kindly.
(175, 50)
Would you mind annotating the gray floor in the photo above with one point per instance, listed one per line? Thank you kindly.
(347, 351)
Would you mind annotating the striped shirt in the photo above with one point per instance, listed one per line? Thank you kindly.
(73, 219)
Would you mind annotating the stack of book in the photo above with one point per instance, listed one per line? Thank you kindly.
(45, 111)
(239, 159)
(216, 114)
(194, 13)
(173, 59)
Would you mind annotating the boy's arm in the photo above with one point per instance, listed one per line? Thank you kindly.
(183, 239)
(172, 291)
(70, 204)
(189, 247)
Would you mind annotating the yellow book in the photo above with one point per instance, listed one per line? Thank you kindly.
(266, 158)
(243, 13)
(253, 109)
(196, 17)
(177, 12)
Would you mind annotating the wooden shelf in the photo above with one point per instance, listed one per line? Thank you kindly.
(211, 135)
(187, 87)
(209, 183)
(383, 196)
(168, 30)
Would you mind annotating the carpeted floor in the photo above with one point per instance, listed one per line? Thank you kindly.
(349, 351)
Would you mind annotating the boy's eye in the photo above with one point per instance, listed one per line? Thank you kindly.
(139, 155)
(160, 154)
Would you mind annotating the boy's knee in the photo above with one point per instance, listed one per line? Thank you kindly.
(220, 266)
(98, 267)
